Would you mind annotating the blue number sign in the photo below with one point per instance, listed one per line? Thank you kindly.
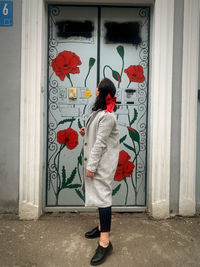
(6, 13)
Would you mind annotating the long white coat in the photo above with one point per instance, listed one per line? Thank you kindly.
(101, 153)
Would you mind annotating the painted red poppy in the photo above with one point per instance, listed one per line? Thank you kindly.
(65, 63)
(135, 73)
(124, 167)
(69, 137)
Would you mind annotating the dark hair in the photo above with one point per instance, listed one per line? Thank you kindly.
(105, 87)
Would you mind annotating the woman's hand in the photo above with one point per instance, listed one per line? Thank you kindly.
(89, 174)
(82, 131)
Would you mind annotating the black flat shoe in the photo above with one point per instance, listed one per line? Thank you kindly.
(101, 254)
(93, 233)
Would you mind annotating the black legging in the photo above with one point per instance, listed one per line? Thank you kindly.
(105, 219)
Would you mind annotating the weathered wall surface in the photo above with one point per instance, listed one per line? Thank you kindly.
(176, 107)
(10, 57)
(198, 148)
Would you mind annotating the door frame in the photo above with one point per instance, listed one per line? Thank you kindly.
(33, 86)
(138, 208)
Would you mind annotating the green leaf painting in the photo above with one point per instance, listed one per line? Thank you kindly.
(120, 50)
(116, 189)
(80, 159)
(79, 124)
(63, 176)
(91, 62)
(78, 192)
(73, 186)
(116, 75)
(123, 139)
(134, 117)
(134, 135)
(129, 147)
(66, 120)
(71, 178)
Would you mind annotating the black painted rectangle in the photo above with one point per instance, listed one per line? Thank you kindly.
(68, 28)
(126, 32)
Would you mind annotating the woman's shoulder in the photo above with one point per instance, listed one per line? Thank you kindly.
(107, 115)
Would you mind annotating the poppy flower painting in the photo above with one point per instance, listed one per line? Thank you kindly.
(69, 137)
(66, 63)
(124, 167)
(135, 73)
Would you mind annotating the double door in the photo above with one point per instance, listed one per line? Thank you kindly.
(86, 44)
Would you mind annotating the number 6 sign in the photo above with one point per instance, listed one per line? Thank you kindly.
(6, 13)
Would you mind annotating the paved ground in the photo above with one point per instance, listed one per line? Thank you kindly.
(57, 239)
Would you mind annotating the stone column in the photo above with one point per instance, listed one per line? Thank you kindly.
(31, 110)
(187, 201)
(160, 108)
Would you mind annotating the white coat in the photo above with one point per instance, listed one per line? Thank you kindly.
(101, 152)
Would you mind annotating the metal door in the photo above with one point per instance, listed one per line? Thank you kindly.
(85, 45)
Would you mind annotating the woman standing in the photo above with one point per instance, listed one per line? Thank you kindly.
(101, 152)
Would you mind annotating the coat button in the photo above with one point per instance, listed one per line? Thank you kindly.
(85, 144)
(85, 159)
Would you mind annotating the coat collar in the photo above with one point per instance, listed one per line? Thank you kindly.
(91, 117)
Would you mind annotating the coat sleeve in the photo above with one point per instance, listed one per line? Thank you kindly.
(105, 126)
